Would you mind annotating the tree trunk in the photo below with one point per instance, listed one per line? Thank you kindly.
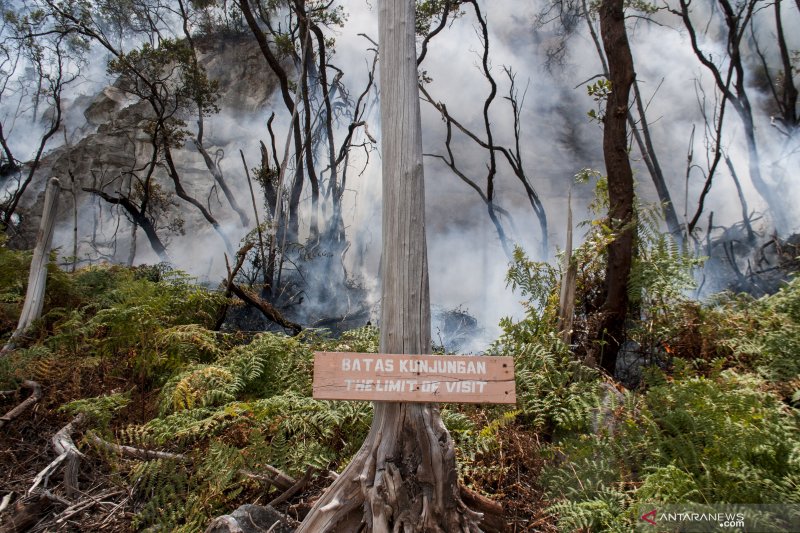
(620, 182)
(74, 190)
(643, 140)
(37, 277)
(404, 477)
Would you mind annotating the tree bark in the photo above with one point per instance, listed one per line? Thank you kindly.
(37, 277)
(643, 140)
(620, 182)
(404, 477)
(788, 101)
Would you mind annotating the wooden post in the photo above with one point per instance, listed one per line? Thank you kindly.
(404, 477)
(37, 277)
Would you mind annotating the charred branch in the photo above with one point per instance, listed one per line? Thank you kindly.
(716, 139)
(138, 218)
(212, 164)
(266, 308)
(788, 100)
(182, 194)
(513, 156)
(56, 85)
(292, 106)
(492, 208)
(265, 267)
(26, 513)
(734, 88)
(751, 236)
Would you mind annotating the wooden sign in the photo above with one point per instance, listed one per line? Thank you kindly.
(413, 378)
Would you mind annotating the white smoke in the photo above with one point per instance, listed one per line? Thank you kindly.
(467, 263)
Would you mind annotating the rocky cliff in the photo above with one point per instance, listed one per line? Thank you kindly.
(108, 141)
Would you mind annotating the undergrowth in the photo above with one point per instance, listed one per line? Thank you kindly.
(711, 416)
(134, 351)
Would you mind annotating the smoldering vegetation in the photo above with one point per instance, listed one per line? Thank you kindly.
(220, 219)
(539, 59)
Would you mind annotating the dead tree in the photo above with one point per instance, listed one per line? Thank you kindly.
(569, 274)
(713, 135)
(404, 477)
(37, 277)
(292, 226)
(201, 99)
(732, 83)
(781, 84)
(140, 215)
(169, 81)
(315, 101)
(35, 45)
(486, 140)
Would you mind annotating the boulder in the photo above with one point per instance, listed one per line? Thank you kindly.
(251, 519)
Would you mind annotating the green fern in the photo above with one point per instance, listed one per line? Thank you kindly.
(766, 332)
(690, 440)
(99, 410)
(162, 486)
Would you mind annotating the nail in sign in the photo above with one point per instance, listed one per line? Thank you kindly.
(413, 378)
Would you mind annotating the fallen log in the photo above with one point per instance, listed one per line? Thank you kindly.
(67, 453)
(266, 308)
(493, 520)
(278, 478)
(136, 453)
(35, 396)
(294, 489)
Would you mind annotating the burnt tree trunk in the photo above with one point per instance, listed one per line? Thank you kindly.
(620, 182)
(404, 476)
(37, 277)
